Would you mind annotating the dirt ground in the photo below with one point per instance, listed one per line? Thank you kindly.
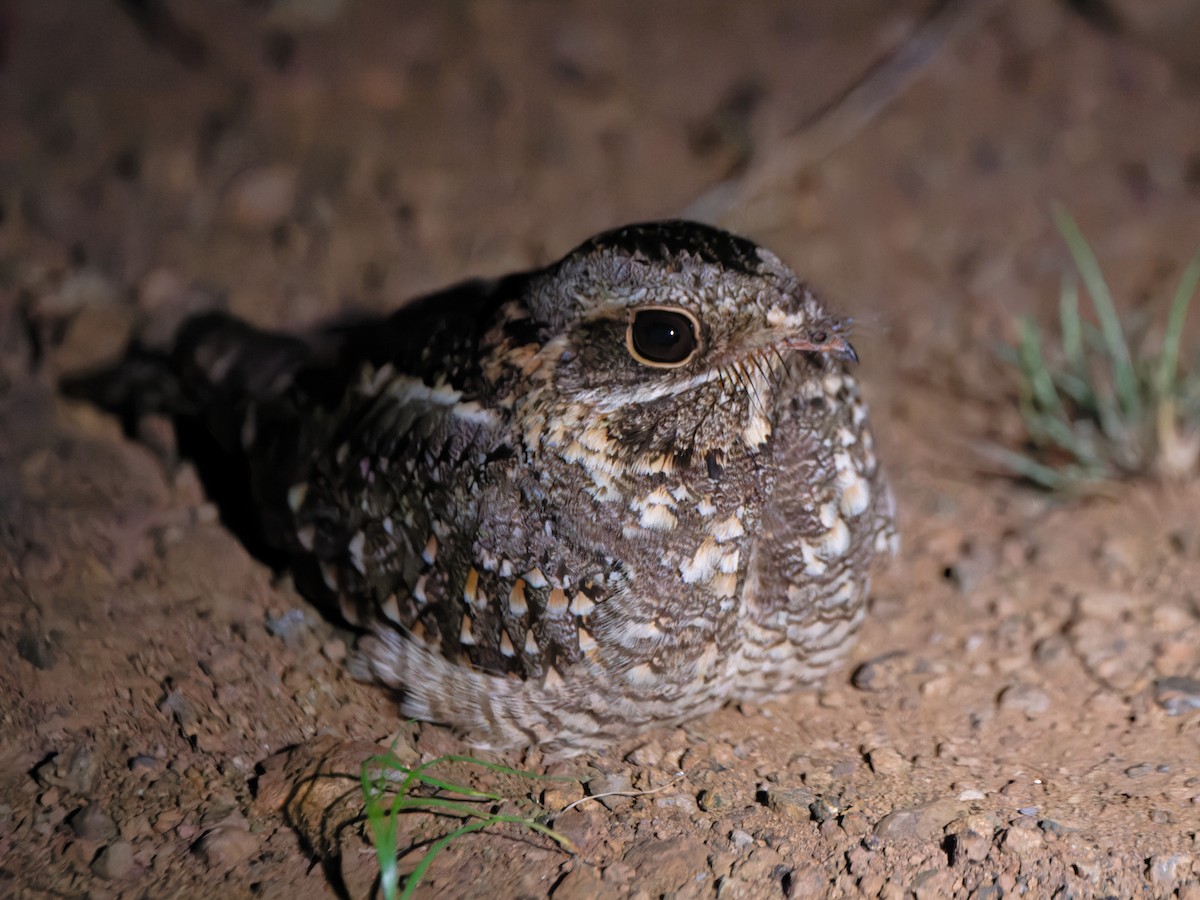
(1022, 713)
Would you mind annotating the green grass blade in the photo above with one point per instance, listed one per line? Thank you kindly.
(414, 878)
(383, 826)
(1125, 378)
(1075, 380)
(1168, 363)
(1044, 394)
(1024, 467)
(1071, 325)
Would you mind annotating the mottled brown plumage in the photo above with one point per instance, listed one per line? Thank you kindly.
(571, 504)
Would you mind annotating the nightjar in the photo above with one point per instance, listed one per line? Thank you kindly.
(562, 506)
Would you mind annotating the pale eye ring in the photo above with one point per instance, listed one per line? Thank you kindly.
(664, 337)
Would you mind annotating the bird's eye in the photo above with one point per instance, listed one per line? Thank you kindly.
(661, 336)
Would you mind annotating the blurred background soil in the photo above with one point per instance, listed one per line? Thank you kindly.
(1021, 715)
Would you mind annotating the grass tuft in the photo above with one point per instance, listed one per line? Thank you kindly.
(390, 788)
(1096, 410)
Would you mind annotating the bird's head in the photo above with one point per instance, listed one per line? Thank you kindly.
(664, 343)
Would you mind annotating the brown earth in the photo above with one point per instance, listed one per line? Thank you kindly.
(1003, 726)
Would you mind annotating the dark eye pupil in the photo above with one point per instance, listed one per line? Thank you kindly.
(662, 336)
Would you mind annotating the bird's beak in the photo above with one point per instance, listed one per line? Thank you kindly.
(833, 344)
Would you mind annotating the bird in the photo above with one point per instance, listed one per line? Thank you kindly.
(560, 507)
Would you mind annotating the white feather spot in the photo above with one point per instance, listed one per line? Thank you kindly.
(859, 416)
(582, 605)
(702, 563)
(757, 432)
(306, 535)
(517, 604)
(296, 494)
(642, 675)
(681, 494)
(553, 681)
(417, 634)
(472, 412)
(835, 542)
(657, 518)
(725, 584)
(506, 645)
(329, 575)
(391, 609)
(727, 529)
(633, 633)
(856, 497)
(587, 643)
(357, 547)
(814, 567)
(556, 605)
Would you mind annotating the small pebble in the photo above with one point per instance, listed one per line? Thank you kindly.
(1049, 826)
(1177, 695)
(38, 649)
(880, 673)
(972, 845)
(648, 755)
(922, 821)
(794, 803)
(710, 801)
(559, 796)
(334, 650)
(685, 802)
(166, 820)
(824, 810)
(887, 761)
(92, 823)
(611, 789)
(290, 626)
(1164, 869)
(1023, 841)
(226, 846)
(1024, 698)
(144, 765)
(115, 861)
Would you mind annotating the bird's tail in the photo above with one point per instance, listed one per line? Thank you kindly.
(218, 368)
(232, 392)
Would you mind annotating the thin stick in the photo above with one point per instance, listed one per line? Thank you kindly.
(678, 776)
(845, 116)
